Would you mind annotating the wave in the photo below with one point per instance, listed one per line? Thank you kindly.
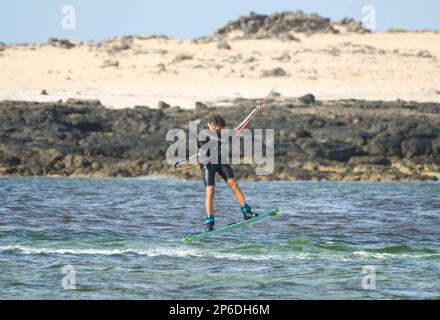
(296, 249)
(95, 251)
(403, 249)
(151, 252)
(302, 244)
(385, 256)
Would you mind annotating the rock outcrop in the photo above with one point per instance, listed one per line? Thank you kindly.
(284, 25)
(339, 140)
(61, 43)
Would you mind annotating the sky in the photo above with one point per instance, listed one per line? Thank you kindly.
(35, 21)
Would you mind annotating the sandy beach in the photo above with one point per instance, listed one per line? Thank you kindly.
(141, 70)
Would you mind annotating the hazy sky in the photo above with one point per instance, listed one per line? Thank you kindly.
(38, 20)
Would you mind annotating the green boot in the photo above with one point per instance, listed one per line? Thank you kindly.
(209, 223)
(247, 212)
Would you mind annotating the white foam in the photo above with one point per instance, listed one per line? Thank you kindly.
(375, 255)
(385, 255)
(187, 251)
(154, 252)
(235, 256)
(88, 251)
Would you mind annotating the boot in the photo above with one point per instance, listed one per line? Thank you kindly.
(209, 223)
(247, 212)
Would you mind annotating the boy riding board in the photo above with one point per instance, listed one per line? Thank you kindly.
(210, 165)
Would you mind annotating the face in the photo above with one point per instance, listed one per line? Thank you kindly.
(214, 127)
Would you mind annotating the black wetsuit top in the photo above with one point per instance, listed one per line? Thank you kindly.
(210, 169)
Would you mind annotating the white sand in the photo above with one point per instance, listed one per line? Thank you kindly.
(370, 66)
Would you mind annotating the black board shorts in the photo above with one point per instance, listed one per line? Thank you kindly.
(209, 170)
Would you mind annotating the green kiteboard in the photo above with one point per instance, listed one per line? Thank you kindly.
(272, 213)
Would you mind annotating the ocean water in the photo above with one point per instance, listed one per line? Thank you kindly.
(123, 239)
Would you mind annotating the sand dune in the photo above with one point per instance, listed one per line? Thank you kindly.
(130, 71)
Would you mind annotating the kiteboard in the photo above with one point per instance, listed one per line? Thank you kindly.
(272, 213)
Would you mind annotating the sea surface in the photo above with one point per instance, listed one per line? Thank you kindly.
(122, 238)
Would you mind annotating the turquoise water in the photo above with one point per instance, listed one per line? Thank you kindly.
(124, 239)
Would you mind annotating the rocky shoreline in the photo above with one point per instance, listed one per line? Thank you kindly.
(348, 140)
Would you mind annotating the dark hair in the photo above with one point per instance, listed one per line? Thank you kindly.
(217, 120)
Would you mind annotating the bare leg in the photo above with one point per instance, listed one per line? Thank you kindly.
(236, 191)
(209, 200)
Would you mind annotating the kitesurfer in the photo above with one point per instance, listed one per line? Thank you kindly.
(210, 165)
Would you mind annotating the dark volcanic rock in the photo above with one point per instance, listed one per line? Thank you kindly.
(332, 140)
(110, 63)
(117, 44)
(339, 151)
(182, 57)
(9, 160)
(283, 25)
(436, 146)
(120, 47)
(299, 133)
(163, 105)
(84, 102)
(311, 147)
(332, 150)
(385, 145)
(61, 43)
(308, 99)
(353, 25)
(416, 147)
(277, 72)
(375, 160)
